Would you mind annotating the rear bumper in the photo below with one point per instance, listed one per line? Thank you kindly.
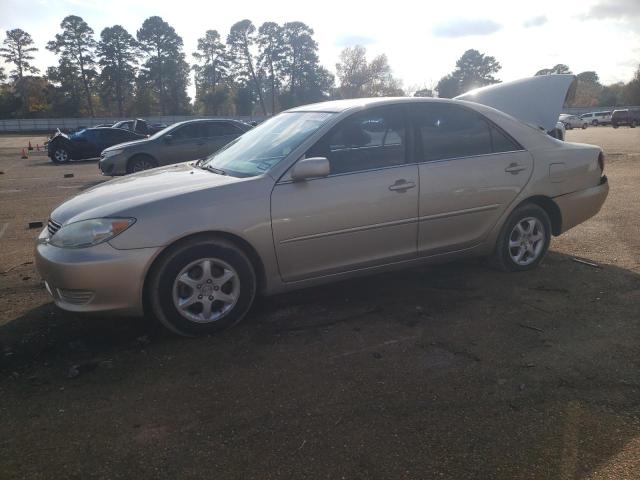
(94, 279)
(579, 206)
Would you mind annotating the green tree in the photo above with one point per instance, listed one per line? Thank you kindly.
(118, 56)
(76, 47)
(560, 68)
(3, 76)
(307, 81)
(473, 70)
(18, 50)
(589, 77)
(631, 92)
(359, 78)
(240, 41)
(210, 73)
(271, 57)
(66, 90)
(165, 70)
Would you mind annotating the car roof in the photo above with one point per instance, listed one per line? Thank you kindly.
(337, 106)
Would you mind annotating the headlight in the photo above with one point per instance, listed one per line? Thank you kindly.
(87, 233)
(112, 153)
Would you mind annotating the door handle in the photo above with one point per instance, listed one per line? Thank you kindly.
(514, 169)
(401, 186)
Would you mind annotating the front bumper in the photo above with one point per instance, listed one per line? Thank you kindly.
(579, 206)
(94, 279)
(113, 166)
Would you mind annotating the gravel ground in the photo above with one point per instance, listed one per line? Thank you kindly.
(454, 371)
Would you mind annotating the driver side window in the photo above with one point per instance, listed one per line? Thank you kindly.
(364, 141)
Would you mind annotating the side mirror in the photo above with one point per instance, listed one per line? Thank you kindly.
(310, 168)
(168, 138)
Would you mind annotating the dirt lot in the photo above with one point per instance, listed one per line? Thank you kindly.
(453, 371)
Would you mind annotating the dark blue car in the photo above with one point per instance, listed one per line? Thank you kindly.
(87, 143)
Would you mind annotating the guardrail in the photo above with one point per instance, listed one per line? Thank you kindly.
(17, 125)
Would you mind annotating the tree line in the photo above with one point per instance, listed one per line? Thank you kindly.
(252, 70)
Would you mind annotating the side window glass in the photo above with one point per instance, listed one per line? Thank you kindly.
(501, 142)
(185, 132)
(364, 141)
(449, 131)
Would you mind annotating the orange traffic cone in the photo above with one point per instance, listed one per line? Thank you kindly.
(24, 154)
(30, 147)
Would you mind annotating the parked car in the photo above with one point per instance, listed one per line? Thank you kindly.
(626, 116)
(86, 143)
(597, 118)
(182, 141)
(321, 193)
(573, 121)
(139, 126)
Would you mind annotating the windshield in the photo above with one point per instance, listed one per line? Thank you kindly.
(261, 148)
(79, 133)
(164, 130)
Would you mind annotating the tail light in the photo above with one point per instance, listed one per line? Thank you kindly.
(601, 162)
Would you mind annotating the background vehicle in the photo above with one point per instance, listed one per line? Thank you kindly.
(139, 126)
(180, 142)
(558, 132)
(572, 121)
(597, 118)
(627, 116)
(87, 143)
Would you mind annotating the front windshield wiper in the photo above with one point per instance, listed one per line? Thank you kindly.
(214, 169)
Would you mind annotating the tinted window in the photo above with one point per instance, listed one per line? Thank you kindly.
(219, 129)
(448, 131)
(367, 140)
(185, 132)
(500, 142)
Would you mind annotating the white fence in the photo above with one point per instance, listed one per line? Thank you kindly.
(50, 124)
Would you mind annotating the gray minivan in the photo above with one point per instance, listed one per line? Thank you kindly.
(180, 142)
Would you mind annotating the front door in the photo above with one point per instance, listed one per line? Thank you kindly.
(183, 144)
(362, 214)
(470, 171)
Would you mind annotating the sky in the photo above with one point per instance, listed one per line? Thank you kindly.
(421, 39)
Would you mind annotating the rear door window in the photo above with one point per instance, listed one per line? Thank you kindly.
(447, 131)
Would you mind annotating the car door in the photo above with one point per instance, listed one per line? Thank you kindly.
(217, 134)
(84, 145)
(180, 144)
(363, 213)
(470, 171)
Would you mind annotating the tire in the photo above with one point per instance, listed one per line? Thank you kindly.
(60, 155)
(567, 126)
(614, 125)
(212, 302)
(506, 252)
(139, 163)
(584, 125)
(595, 123)
(633, 124)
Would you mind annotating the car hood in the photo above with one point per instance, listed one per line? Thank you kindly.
(120, 196)
(537, 101)
(126, 144)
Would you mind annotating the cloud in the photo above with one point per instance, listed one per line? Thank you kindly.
(350, 40)
(535, 21)
(466, 28)
(616, 9)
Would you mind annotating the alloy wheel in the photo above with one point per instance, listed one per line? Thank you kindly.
(526, 241)
(206, 290)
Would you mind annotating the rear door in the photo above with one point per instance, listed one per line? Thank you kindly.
(470, 171)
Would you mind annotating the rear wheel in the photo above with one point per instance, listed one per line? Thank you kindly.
(140, 163)
(201, 287)
(595, 123)
(60, 155)
(633, 124)
(524, 239)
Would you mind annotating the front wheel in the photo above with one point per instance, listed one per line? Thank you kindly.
(524, 239)
(140, 163)
(60, 155)
(595, 123)
(633, 124)
(584, 125)
(201, 287)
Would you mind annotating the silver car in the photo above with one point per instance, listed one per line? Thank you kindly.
(181, 141)
(322, 193)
